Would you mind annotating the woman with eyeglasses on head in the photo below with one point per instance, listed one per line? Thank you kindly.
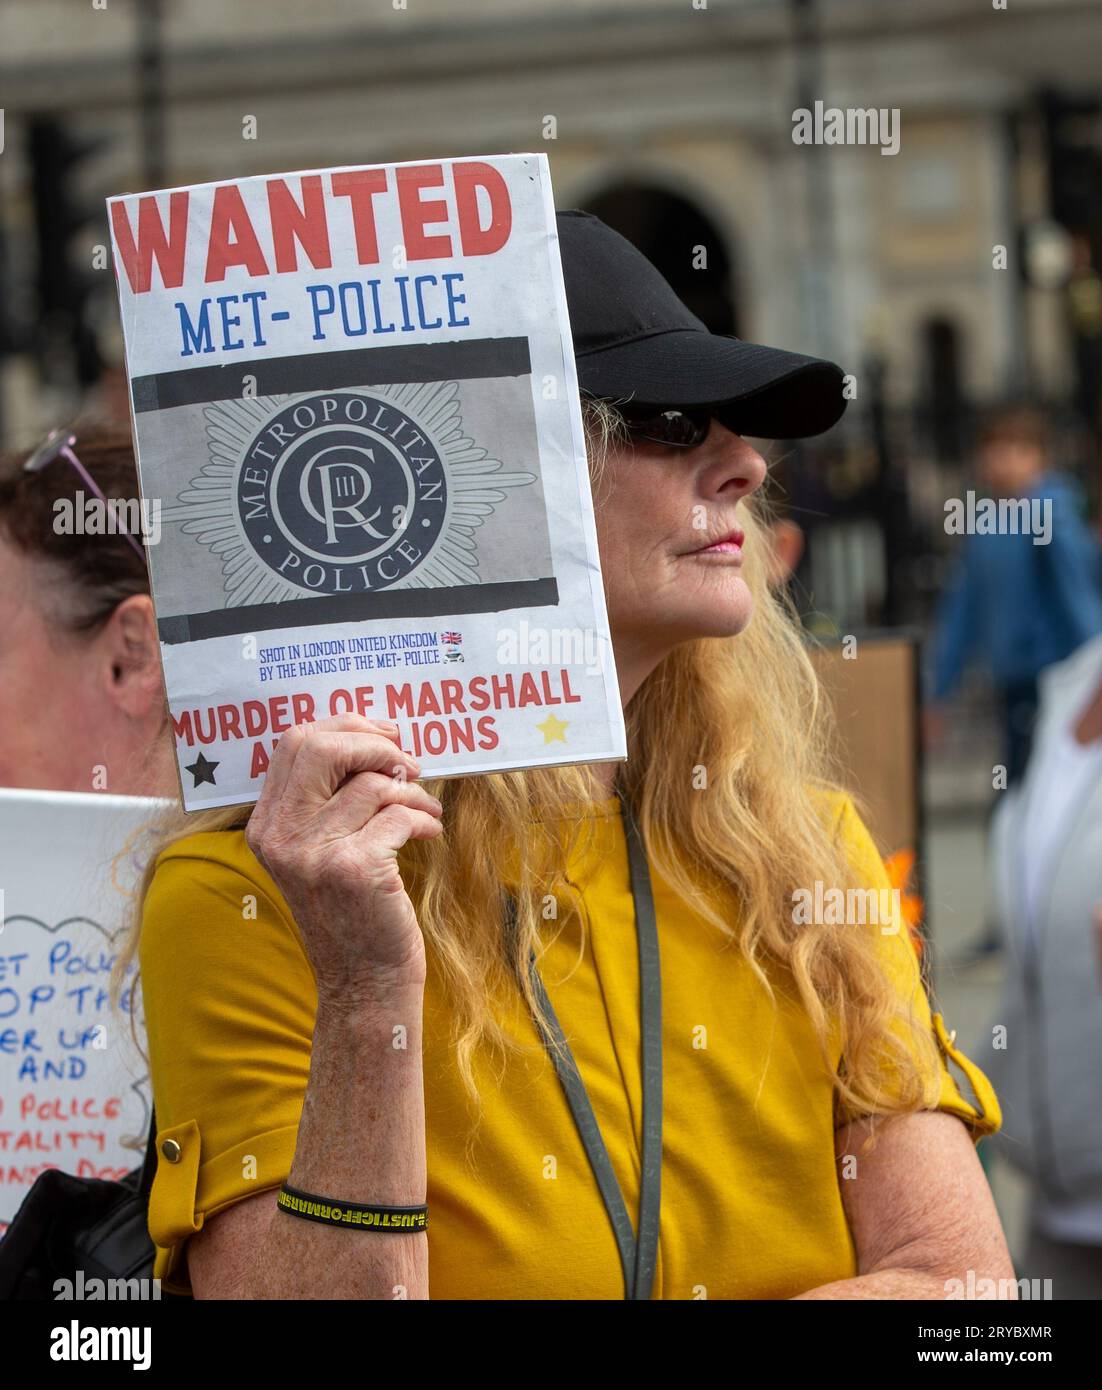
(562, 1032)
(82, 703)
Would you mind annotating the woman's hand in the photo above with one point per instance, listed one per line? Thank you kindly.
(335, 809)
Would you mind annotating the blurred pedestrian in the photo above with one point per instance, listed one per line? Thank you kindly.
(1019, 600)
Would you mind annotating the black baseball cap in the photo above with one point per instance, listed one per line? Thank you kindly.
(636, 342)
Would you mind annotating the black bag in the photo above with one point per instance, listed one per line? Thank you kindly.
(65, 1224)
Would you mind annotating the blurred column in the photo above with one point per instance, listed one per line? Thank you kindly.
(151, 92)
(1043, 332)
(1016, 365)
(820, 208)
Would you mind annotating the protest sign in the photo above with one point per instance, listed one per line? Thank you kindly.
(73, 1083)
(356, 414)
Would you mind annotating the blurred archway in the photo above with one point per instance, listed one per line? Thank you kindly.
(672, 233)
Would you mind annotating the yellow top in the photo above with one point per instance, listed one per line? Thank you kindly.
(751, 1206)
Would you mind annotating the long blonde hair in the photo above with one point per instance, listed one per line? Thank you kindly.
(729, 763)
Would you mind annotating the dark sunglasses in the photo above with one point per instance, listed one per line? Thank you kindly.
(676, 427)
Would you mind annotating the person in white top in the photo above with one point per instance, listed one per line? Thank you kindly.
(1046, 1042)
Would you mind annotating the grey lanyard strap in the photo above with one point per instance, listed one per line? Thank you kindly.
(638, 1253)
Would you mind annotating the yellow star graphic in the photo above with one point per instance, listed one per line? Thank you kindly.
(553, 729)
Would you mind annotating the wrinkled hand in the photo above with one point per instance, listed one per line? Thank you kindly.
(336, 807)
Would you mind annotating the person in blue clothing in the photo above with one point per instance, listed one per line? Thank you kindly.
(1027, 591)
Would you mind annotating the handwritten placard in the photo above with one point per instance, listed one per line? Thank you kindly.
(74, 1086)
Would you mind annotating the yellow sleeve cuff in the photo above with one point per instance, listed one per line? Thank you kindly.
(188, 1190)
(984, 1116)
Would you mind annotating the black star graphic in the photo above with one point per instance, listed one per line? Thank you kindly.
(202, 771)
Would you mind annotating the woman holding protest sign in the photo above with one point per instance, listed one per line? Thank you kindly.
(572, 1011)
(81, 697)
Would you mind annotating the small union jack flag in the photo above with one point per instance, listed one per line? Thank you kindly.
(451, 638)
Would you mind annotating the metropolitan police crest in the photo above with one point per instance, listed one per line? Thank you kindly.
(344, 491)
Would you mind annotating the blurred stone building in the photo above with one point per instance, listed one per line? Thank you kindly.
(671, 118)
